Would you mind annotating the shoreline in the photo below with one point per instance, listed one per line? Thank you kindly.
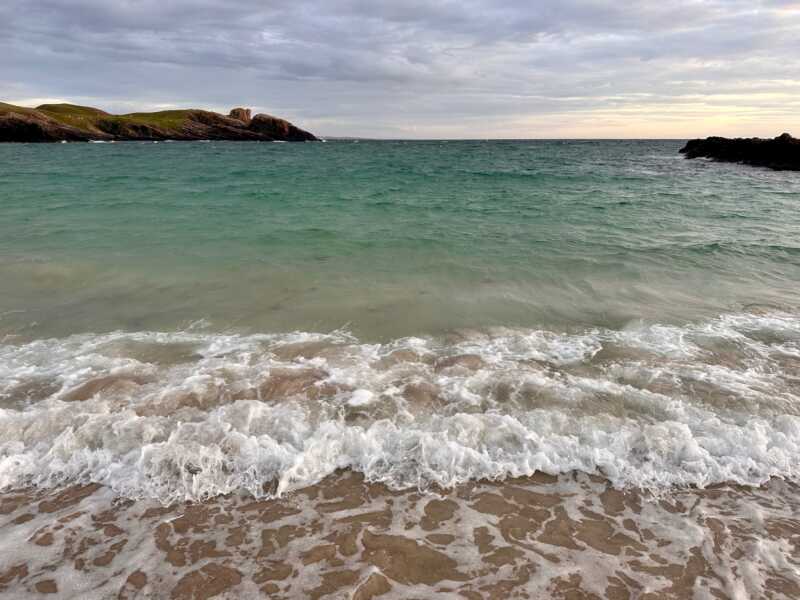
(572, 536)
(52, 123)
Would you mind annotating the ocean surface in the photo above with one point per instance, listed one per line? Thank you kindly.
(483, 369)
(183, 320)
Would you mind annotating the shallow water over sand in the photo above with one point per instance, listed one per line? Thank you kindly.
(573, 536)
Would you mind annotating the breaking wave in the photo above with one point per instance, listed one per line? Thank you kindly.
(190, 415)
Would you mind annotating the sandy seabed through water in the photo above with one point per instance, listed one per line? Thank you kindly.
(572, 536)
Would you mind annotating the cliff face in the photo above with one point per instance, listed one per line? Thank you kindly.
(278, 129)
(67, 122)
(780, 153)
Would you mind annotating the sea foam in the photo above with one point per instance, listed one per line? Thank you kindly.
(190, 415)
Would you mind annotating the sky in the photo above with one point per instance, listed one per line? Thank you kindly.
(421, 68)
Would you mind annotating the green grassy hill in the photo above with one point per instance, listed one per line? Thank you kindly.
(70, 122)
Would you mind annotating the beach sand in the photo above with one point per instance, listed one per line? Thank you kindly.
(572, 536)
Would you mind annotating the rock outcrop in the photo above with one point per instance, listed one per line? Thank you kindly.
(241, 114)
(71, 123)
(33, 127)
(780, 153)
(279, 129)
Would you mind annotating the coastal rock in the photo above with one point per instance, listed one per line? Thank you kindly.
(71, 123)
(15, 127)
(241, 114)
(206, 125)
(121, 130)
(279, 129)
(780, 153)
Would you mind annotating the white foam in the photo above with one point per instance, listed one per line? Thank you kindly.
(666, 411)
(361, 398)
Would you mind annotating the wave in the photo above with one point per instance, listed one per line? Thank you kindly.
(190, 415)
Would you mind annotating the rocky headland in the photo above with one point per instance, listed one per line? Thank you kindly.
(71, 123)
(780, 153)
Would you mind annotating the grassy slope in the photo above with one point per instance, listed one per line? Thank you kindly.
(164, 119)
(86, 117)
(82, 117)
(7, 108)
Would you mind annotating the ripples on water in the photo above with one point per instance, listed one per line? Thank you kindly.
(322, 325)
(387, 238)
(508, 307)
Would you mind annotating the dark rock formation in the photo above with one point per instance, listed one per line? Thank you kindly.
(121, 130)
(67, 122)
(241, 114)
(205, 125)
(37, 128)
(279, 129)
(782, 152)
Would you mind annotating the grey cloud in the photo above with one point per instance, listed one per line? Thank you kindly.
(417, 67)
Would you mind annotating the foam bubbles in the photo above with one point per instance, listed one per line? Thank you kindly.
(191, 415)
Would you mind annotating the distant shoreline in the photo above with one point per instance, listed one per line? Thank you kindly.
(72, 123)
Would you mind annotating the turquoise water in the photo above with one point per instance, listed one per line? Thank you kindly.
(181, 320)
(386, 238)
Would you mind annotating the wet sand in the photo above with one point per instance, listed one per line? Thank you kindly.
(572, 536)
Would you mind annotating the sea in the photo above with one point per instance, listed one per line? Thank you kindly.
(601, 331)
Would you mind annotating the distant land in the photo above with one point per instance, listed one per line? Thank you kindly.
(72, 123)
(780, 153)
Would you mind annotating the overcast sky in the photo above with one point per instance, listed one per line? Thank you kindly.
(421, 68)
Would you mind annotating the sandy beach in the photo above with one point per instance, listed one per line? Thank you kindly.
(572, 536)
